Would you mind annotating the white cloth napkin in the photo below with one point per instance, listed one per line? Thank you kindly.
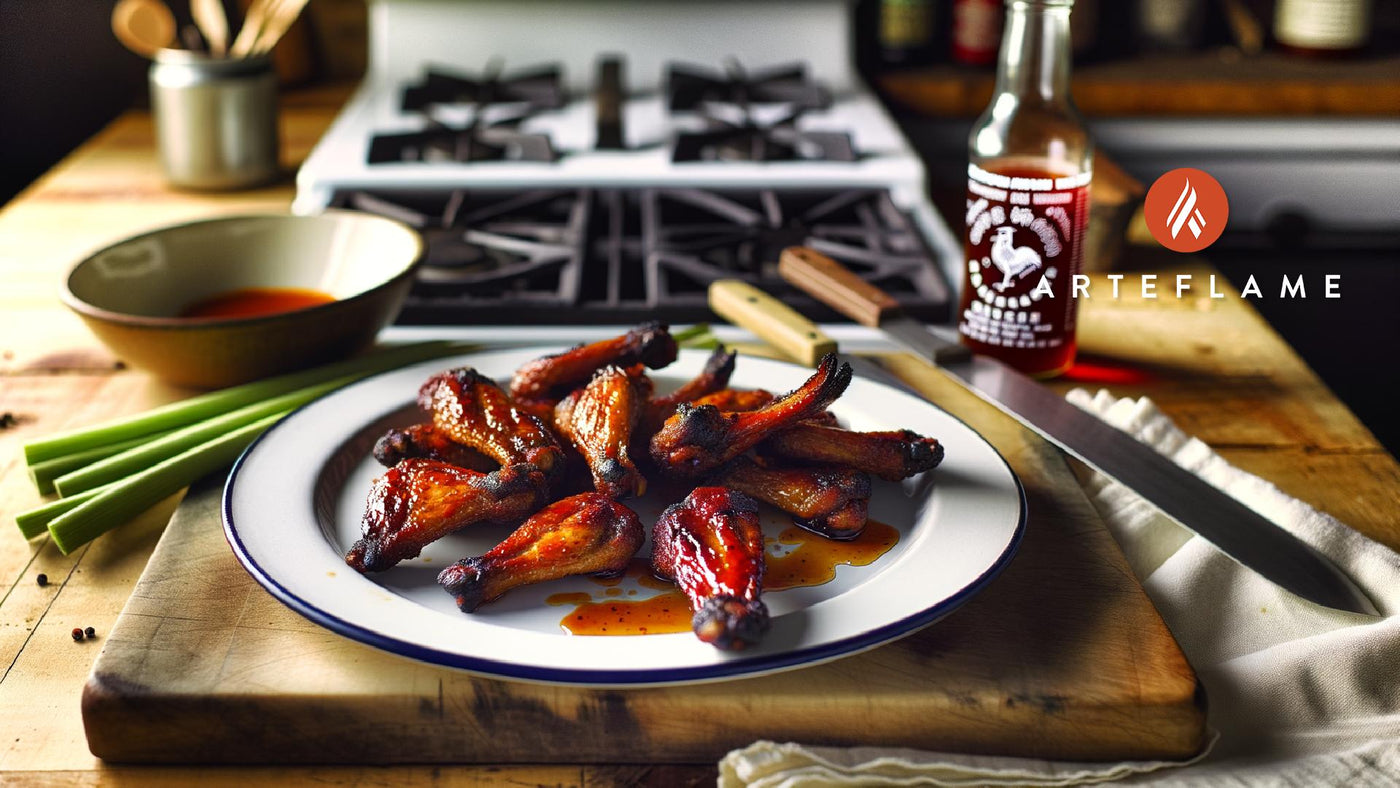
(1300, 695)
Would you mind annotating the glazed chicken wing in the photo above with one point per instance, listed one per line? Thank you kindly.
(700, 438)
(598, 420)
(736, 400)
(585, 534)
(470, 409)
(711, 545)
(714, 377)
(427, 442)
(831, 501)
(420, 501)
(753, 399)
(892, 455)
(551, 377)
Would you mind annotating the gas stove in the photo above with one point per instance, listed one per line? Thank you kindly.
(605, 161)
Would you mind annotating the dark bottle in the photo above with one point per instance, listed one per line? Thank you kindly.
(907, 32)
(1030, 161)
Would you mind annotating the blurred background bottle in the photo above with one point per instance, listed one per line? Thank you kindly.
(908, 32)
(976, 31)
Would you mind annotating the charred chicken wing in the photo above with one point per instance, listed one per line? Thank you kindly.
(420, 501)
(585, 534)
(427, 442)
(700, 438)
(552, 377)
(892, 455)
(736, 400)
(598, 420)
(711, 545)
(831, 501)
(470, 409)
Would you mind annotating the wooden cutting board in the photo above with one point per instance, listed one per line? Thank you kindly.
(1063, 656)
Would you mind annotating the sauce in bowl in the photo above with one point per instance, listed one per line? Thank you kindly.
(255, 301)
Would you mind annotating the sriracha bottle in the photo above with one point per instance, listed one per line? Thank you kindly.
(1030, 161)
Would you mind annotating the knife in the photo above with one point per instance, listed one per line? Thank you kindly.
(787, 330)
(1238, 531)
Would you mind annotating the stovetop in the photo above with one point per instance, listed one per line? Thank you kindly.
(613, 175)
(574, 255)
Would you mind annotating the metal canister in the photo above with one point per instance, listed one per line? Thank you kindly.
(216, 119)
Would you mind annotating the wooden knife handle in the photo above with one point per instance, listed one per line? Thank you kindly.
(777, 323)
(836, 286)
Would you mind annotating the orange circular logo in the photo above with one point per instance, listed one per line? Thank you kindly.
(1186, 210)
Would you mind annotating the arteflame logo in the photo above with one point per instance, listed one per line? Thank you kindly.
(1186, 210)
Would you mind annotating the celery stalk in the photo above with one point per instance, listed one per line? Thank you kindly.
(120, 502)
(43, 473)
(34, 522)
(136, 459)
(204, 406)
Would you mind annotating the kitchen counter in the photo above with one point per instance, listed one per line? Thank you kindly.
(1212, 364)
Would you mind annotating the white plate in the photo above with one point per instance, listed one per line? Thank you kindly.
(293, 503)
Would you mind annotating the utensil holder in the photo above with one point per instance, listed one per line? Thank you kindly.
(215, 119)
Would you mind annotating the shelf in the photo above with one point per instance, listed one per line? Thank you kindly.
(1219, 82)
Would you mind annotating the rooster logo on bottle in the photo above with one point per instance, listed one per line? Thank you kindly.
(1014, 262)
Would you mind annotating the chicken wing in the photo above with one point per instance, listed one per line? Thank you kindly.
(427, 442)
(713, 378)
(736, 400)
(753, 399)
(699, 438)
(551, 377)
(892, 455)
(420, 501)
(472, 410)
(585, 534)
(598, 420)
(711, 545)
(831, 501)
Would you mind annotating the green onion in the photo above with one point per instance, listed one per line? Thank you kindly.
(687, 334)
(117, 503)
(43, 473)
(196, 409)
(36, 521)
(136, 459)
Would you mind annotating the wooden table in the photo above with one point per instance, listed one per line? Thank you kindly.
(1213, 365)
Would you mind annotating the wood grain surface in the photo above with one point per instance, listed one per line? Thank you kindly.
(1063, 656)
(1213, 365)
(1214, 82)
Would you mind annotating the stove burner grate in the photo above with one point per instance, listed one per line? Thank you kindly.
(689, 87)
(541, 87)
(616, 255)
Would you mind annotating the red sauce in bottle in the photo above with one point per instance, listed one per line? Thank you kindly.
(254, 301)
(1024, 245)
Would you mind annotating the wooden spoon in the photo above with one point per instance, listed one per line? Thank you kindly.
(248, 32)
(213, 23)
(284, 13)
(144, 26)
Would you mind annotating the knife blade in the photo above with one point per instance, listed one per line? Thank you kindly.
(1238, 531)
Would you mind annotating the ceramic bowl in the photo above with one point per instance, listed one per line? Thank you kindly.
(131, 294)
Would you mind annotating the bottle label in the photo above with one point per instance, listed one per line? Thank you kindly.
(1024, 232)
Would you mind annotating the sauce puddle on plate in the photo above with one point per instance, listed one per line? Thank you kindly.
(796, 559)
(254, 301)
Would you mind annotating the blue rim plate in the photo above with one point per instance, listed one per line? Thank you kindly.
(293, 502)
